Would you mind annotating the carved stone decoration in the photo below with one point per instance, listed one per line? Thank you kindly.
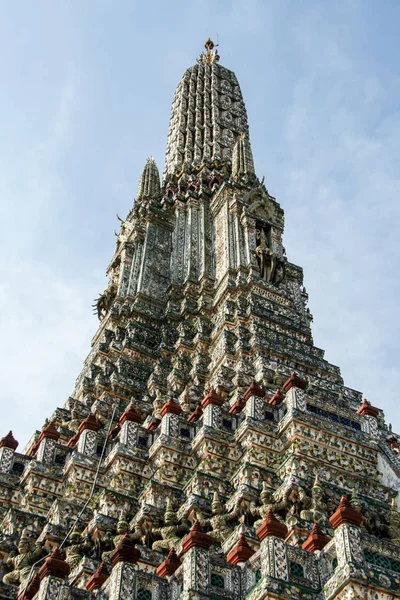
(28, 554)
(125, 552)
(104, 302)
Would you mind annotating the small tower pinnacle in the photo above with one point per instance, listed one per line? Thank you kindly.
(149, 183)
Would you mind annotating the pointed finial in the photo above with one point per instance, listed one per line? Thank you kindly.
(209, 45)
(210, 56)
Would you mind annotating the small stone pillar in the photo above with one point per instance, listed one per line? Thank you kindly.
(52, 576)
(170, 412)
(87, 443)
(46, 444)
(271, 534)
(346, 523)
(123, 574)
(169, 565)
(129, 424)
(8, 446)
(253, 397)
(370, 421)
(196, 568)
(295, 393)
(211, 405)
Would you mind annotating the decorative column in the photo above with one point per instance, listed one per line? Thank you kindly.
(8, 446)
(273, 553)
(46, 444)
(346, 523)
(129, 424)
(211, 405)
(123, 575)
(370, 421)
(295, 393)
(195, 547)
(253, 397)
(249, 226)
(87, 433)
(52, 576)
(194, 236)
(170, 412)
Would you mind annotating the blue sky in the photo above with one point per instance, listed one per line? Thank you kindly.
(87, 88)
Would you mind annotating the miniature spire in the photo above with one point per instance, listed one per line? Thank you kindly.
(242, 157)
(149, 182)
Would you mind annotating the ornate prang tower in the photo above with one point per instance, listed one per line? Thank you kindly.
(208, 449)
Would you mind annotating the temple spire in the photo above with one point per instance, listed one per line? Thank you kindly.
(208, 114)
(149, 182)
